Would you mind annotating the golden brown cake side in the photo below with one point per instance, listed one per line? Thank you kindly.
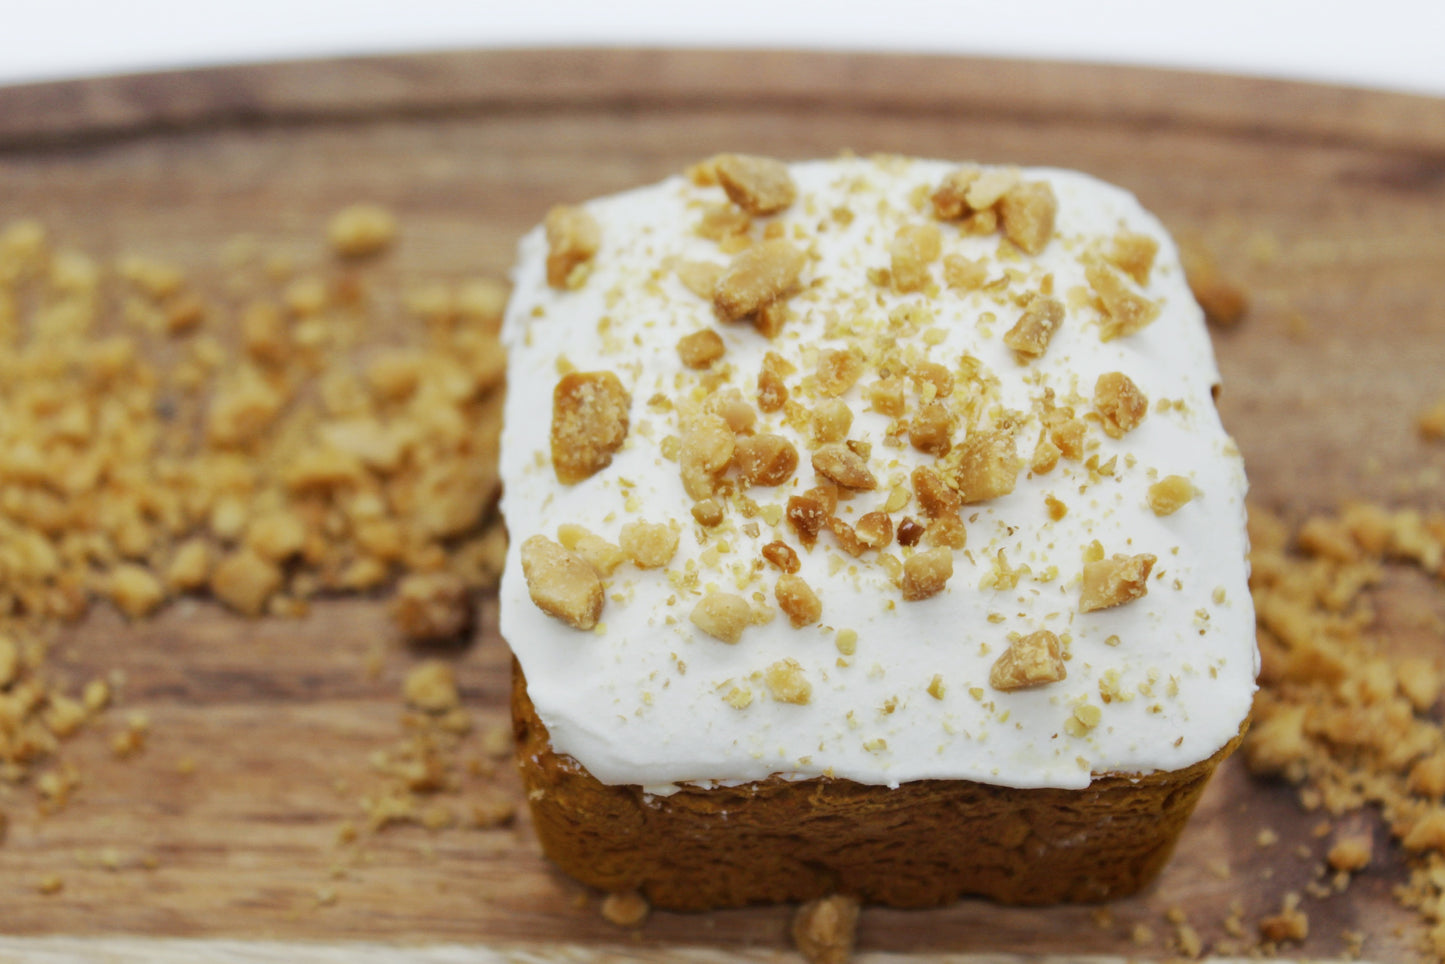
(924, 843)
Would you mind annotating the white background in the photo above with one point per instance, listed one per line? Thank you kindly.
(1391, 44)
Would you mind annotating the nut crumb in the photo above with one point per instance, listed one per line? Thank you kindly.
(432, 606)
(1032, 660)
(787, 683)
(561, 583)
(1170, 494)
(701, 348)
(1115, 581)
(823, 930)
(1224, 302)
(1027, 212)
(361, 229)
(759, 185)
(573, 237)
(926, 573)
(723, 616)
(648, 545)
(1350, 852)
(1031, 334)
(628, 909)
(797, 599)
(1120, 404)
(1125, 311)
(840, 464)
(432, 687)
(589, 424)
(757, 277)
(984, 466)
(765, 459)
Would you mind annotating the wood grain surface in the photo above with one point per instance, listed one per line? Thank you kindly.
(1327, 203)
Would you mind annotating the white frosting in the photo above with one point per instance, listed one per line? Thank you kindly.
(639, 700)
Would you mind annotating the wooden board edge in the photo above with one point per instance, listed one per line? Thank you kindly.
(86, 110)
(139, 950)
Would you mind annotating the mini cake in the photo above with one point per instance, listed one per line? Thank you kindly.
(873, 532)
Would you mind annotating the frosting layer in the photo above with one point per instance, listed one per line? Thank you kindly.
(883, 689)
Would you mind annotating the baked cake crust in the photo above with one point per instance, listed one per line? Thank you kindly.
(922, 844)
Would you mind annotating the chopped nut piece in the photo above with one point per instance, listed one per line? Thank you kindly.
(1290, 924)
(625, 910)
(1031, 660)
(758, 185)
(772, 392)
(707, 451)
(848, 540)
(361, 229)
(722, 616)
(840, 464)
(432, 687)
(1027, 211)
(786, 682)
(650, 546)
(1223, 301)
(573, 237)
(1431, 422)
(561, 583)
(875, 530)
(756, 277)
(1350, 853)
(245, 581)
(886, 396)
(963, 274)
(934, 495)
(701, 348)
(831, 420)
(699, 277)
(1120, 403)
(838, 371)
(926, 374)
(589, 423)
(914, 248)
(1133, 254)
(135, 590)
(707, 512)
(797, 599)
(432, 605)
(1125, 311)
(1170, 494)
(931, 430)
(765, 459)
(807, 515)
(909, 532)
(604, 557)
(985, 466)
(950, 199)
(733, 408)
(1030, 335)
(823, 929)
(946, 531)
(276, 535)
(926, 573)
(1115, 581)
(781, 555)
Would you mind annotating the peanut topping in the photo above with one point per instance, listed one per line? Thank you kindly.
(781, 555)
(914, 248)
(842, 465)
(946, 531)
(707, 450)
(1133, 254)
(934, 374)
(589, 423)
(648, 545)
(807, 515)
(1031, 660)
(758, 276)
(875, 530)
(1223, 301)
(838, 371)
(758, 185)
(361, 229)
(1115, 581)
(797, 599)
(1170, 494)
(909, 532)
(772, 393)
(1125, 310)
(701, 348)
(847, 538)
(765, 459)
(1030, 336)
(1119, 403)
(831, 420)
(935, 498)
(1027, 212)
(926, 573)
(722, 616)
(886, 396)
(787, 684)
(699, 277)
(561, 583)
(950, 200)
(986, 466)
(573, 237)
(931, 430)
(823, 930)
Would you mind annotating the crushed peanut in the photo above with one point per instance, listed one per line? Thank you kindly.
(701, 348)
(723, 616)
(1223, 301)
(1032, 660)
(1120, 404)
(787, 683)
(926, 573)
(984, 466)
(914, 248)
(648, 545)
(1031, 334)
(757, 277)
(561, 583)
(589, 424)
(628, 909)
(797, 599)
(1125, 311)
(432, 606)
(573, 237)
(1170, 494)
(823, 929)
(840, 464)
(765, 459)
(759, 185)
(1115, 581)
(1027, 212)
(361, 229)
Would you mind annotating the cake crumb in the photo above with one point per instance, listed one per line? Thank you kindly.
(629, 909)
(824, 929)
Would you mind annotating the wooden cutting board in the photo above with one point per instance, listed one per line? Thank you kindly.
(1327, 203)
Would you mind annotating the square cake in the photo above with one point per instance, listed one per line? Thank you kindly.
(873, 531)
